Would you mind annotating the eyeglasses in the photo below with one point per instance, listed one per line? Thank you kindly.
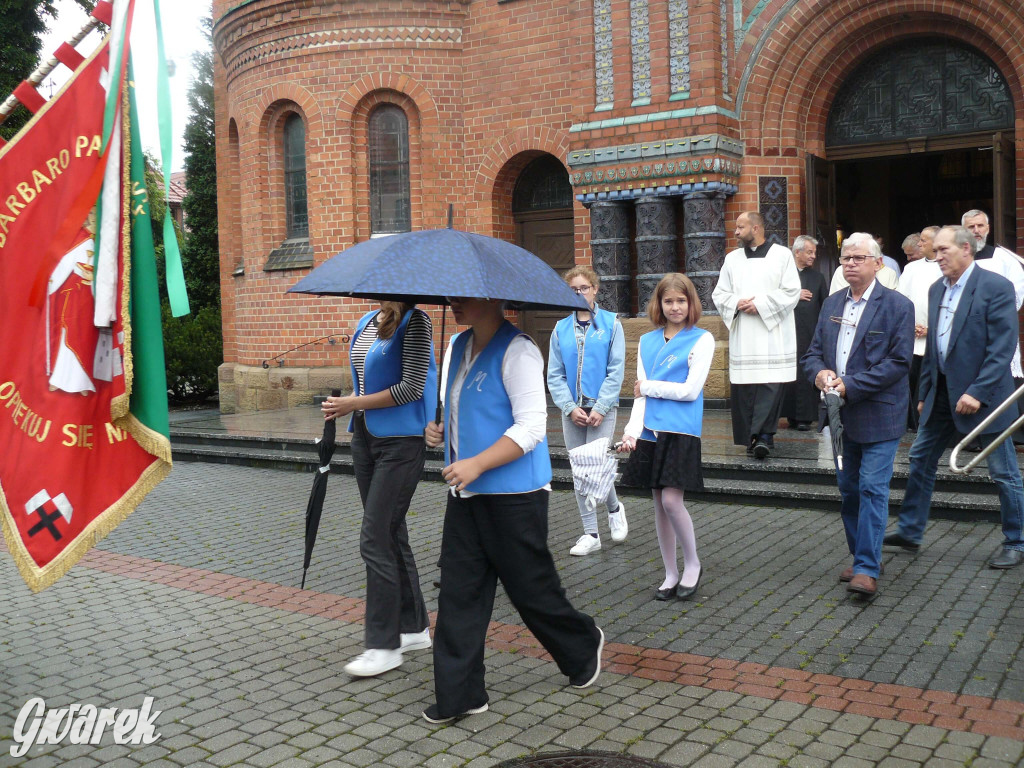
(584, 289)
(843, 321)
(853, 259)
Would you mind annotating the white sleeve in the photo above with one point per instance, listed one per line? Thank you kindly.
(636, 417)
(522, 373)
(1013, 272)
(699, 361)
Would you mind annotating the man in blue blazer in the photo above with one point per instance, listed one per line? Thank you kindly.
(972, 334)
(862, 348)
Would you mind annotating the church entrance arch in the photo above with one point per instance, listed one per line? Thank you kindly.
(920, 132)
(542, 208)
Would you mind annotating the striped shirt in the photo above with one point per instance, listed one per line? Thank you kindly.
(415, 358)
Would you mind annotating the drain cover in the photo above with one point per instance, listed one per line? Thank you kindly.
(581, 760)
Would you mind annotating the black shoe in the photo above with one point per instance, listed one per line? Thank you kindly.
(750, 448)
(803, 426)
(896, 540)
(665, 594)
(1005, 557)
(761, 450)
(432, 715)
(974, 447)
(591, 676)
(687, 593)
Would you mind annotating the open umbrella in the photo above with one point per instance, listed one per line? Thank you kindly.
(315, 505)
(428, 266)
(833, 405)
(593, 470)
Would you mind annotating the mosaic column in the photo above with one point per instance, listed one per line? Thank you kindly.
(704, 241)
(655, 245)
(609, 242)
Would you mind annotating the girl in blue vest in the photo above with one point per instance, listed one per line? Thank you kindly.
(496, 521)
(664, 428)
(394, 379)
(586, 362)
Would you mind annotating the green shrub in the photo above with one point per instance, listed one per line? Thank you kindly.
(193, 350)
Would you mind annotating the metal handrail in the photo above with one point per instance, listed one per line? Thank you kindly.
(981, 428)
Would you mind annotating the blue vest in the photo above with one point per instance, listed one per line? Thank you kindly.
(670, 362)
(382, 370)
(597, 343)
(485, 412)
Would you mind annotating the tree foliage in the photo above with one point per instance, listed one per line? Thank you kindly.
(22, 26)
(201, 255)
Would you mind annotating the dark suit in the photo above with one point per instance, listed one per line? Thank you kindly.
(874, 412)
(981, 343)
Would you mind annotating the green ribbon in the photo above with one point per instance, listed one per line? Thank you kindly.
(175, 274)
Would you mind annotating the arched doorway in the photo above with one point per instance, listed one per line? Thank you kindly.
(920, 132)
(542, 209)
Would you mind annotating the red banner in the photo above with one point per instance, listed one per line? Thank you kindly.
(69, 470)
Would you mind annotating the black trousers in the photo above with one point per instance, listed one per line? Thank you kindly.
(913, 417)
(755, 410)
(387, 470)
(491, 537)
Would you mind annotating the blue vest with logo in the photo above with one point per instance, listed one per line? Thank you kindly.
(485, 412)
(597, 343)
(382, 370)
(670, 362)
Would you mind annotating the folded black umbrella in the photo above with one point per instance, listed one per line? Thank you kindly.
(833, 405)
(315, 506)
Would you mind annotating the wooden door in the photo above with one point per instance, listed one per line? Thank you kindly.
(1004, 203)
(550, 236)
(820, 212)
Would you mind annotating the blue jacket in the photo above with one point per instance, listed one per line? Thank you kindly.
(982, 340)
(485, 412)
(382, 370)
(878, 370)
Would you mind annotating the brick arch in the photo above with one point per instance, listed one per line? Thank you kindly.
(349, 102)
(805, 51)
(501, 166)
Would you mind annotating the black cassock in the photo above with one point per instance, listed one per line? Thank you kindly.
(801, 400)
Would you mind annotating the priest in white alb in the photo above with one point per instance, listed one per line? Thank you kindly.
(758, 288)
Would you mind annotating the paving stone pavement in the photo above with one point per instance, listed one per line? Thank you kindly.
(194, 601)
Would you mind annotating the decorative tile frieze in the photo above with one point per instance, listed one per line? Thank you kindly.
(603, 65)
(724, 10)
(640, 46)
(341, 39)
(715, 144)
(679, 47)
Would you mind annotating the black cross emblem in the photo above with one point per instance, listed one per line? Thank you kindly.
(48, 516)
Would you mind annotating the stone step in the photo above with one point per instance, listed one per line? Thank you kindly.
(775, 482)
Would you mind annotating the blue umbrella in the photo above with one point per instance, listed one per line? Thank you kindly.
(427, 266)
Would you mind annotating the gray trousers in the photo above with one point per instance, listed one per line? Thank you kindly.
(387, 470)
(574, 438)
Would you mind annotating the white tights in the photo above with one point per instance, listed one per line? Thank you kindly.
(673, 524)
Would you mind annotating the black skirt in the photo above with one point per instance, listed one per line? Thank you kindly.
(671, 462)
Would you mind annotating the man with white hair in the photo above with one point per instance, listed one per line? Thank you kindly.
(800, 400)
(911, 248)
(918, 276)
(1002, 261)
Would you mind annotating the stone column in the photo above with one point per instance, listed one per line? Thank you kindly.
(609, 241)
(655, 245)
(704, 239)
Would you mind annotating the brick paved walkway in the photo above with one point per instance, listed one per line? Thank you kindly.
(194, 601)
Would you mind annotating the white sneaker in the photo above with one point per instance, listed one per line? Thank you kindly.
(586, 544)
(415, 641)
(617, 523)
(374, 661)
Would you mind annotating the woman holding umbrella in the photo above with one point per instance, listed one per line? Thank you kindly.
(586, 362)
(394, 380)
(495, 526)
(665, 426)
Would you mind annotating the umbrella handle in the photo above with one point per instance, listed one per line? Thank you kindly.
(439, 413)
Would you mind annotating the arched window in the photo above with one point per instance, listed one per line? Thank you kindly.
(543, 184)
(390, 210)
(296, 214)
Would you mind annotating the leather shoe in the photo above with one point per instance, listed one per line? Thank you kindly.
(1005, 557)
(665, 594)
(896, 540)
(803, 426)
(862, 584)
(687, 593)
(847, 573)
(761, 450)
